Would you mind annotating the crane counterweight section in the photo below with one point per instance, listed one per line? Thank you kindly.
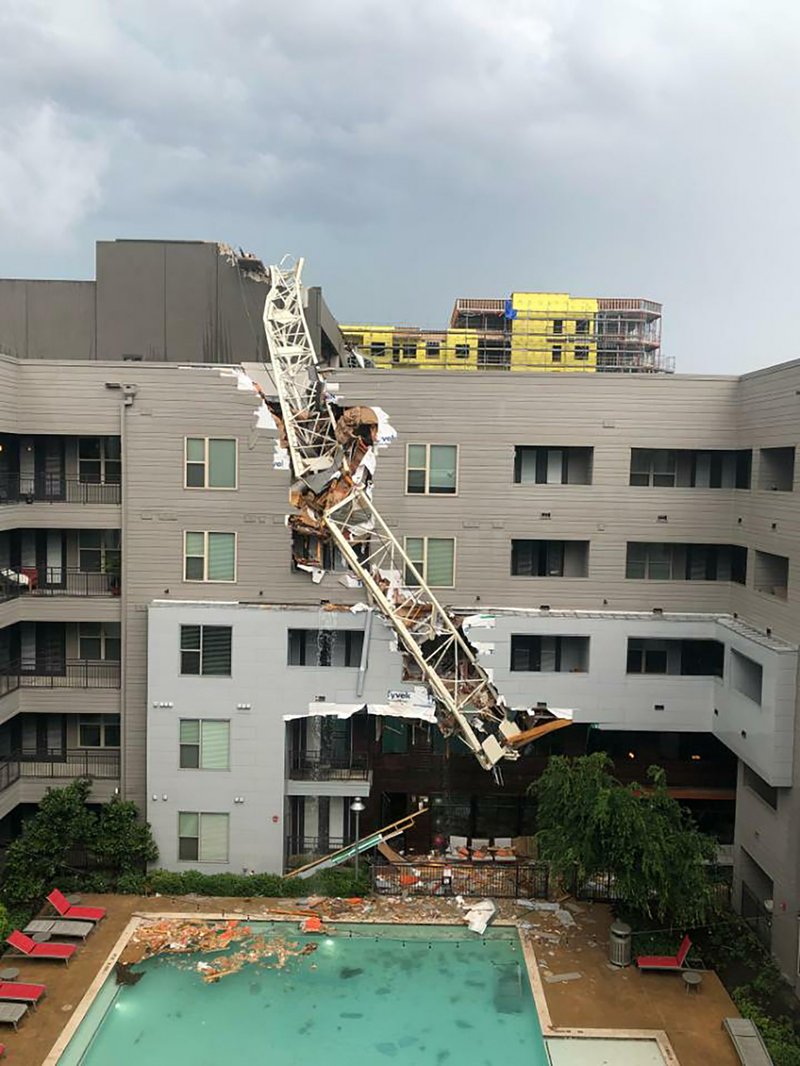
(332, 453)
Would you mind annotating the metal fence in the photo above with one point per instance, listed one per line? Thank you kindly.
(58, 763)
(502, 880)
(52, 488)
(70, 673)
(55, 581)
(323, 766)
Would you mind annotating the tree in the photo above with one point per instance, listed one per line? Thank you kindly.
(64, 825)
(121, 842)
(590, 823)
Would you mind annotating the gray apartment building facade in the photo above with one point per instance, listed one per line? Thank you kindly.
(625, 545)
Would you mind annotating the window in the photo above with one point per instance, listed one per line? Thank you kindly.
(757, 784)
(549, 558)
(377, 350)
(653, 466)
(647, 656)
(202, 837)
(99, 460)
(210, 463)
(746, 676)
(98, 551)
(98, 731)
(552, 466)
(772, 575)
(582, 326)
(209, 557)
(395, 736)
(206, 650)
(558, 325)
(686, 562)
(432, 350)
(549, 654)
(205, 744)
(434, 558)
(582, 352)
(650, 561)
(432, 469)
(555, 353)
(99, 641)
(462, 351)
(776, 469)
(325, 647)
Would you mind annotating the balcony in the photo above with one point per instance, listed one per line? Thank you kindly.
(70, 674)
(25, 776)
(54, 488)
(322, 766)
(55, 581)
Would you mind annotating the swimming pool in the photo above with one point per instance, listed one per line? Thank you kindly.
(421, 995)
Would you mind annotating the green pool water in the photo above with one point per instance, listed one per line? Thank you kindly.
(421, 995)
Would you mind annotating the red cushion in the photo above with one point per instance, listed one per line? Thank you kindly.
(17, 990)
(53, 951)
(92, 914)
(663, 962)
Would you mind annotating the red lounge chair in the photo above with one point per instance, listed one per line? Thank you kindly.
(15, 990)
(666, 962)
(59, 901)
(31, 950)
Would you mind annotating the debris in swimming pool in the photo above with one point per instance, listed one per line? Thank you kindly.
(350, 971)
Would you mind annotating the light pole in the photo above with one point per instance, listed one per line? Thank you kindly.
(357, 806)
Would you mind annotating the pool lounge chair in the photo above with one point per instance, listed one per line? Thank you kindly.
(747, 1041)
(59, 927)
(12, 1013)
(31, 950)
(60, 902)
(666, 962)
(24, 993)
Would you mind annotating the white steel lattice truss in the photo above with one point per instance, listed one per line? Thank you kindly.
(332, 456)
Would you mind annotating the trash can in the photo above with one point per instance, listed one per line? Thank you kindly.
(619, 948)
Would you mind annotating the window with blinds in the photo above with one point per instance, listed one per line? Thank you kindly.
(209, 556)
(210, 463)
(203, 837)
(434, 558)
(205, 744)
(206, 650)
(432, 469)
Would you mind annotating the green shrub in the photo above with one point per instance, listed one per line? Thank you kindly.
(5, 924)
(132, 884)
(193, 882)
(778, 1033)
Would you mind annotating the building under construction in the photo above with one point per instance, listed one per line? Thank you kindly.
(528, 331)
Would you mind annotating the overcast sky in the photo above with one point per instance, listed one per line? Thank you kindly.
(419, 150)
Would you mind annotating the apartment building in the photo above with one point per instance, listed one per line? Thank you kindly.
(624, 544)
(551, 331)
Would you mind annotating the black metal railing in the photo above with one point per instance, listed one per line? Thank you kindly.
(59, 763)
(302, 849)
(55, 581)
(520, 879)
(54, 488)
(69, 673)
(327, 766)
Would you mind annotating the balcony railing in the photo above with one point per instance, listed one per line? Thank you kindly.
(59, 764)
(300, 850)
(71, 673)
(55, 581)
(53, 488)
(322, 766)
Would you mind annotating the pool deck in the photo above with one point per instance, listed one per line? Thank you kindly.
(601, 998)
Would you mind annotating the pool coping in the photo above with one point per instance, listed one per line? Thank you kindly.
(549, 1031)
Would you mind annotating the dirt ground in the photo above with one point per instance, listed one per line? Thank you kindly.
(601, 997)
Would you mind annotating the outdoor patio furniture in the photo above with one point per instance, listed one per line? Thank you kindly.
(457, 848)
(31, 950)
(666, 962)
(692, 980)
(503, 850)
(60, 902)
(747, 1042)
(480, 849)
(24, 993)
(12, 1013)
(58, 927)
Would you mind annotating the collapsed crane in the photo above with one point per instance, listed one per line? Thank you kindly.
(332, 453)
